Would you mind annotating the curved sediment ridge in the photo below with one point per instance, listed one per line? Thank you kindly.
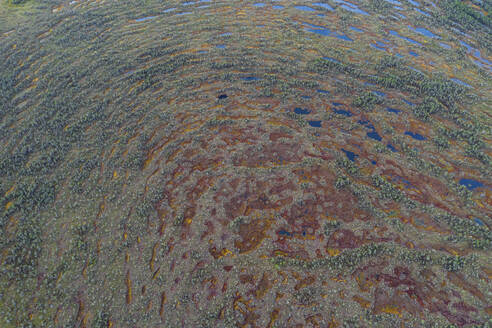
(245, 164)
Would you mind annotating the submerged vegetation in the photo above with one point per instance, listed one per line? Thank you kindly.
(237, 163)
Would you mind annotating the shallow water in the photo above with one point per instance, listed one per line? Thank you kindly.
(414, 135)
(145, 18)
(471, 184)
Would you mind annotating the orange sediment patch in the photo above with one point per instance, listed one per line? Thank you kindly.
(333, 251)
(362, 301)
(163, 302)
(128, 288)
(391, 309)
(9, 191)
(273, 318)
(152, 258)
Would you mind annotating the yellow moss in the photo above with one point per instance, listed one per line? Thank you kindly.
(9, 204)
(333, 251)
(9, 191)
(391, 309)
(225, 252)
(128, 288)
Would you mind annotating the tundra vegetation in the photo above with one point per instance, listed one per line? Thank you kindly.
(245, 164)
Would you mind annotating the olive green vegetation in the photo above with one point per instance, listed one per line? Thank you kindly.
(466, 16)
(440, 97)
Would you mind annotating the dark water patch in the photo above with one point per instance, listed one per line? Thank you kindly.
(222, 96)
(377, 47)
(379, 93)
(342, 112)
(144, 18)
(401, 15)
(128, 73)
(304, 8)
(313, 26)
(351, 7)
(479, 222)
(374, 135)
(422, 12)
(354, 9)
(337, 104)
(250, 78)
(471, 184)
(220, 46)
(301, 111)
(366, 124)
(327, 32)
(416, 136)
(479, 60)
(323, 5)
(460, 82)
(315, 124)
(393, 110)
(323, 91)
(353, 28)
(399, 179)
(416, 70)
(371, 134)
(342, 37)
(445, 45)
(285, 233)
(413, 53)
(324, 31)
(306, 97)
(408, 102)
(394, 33)
(350, 155)
(391, 147)
(380, 45)
(332, 59)
(424, 31)
(374, 162)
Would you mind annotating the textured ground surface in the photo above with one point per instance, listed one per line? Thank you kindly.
(242, 164)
